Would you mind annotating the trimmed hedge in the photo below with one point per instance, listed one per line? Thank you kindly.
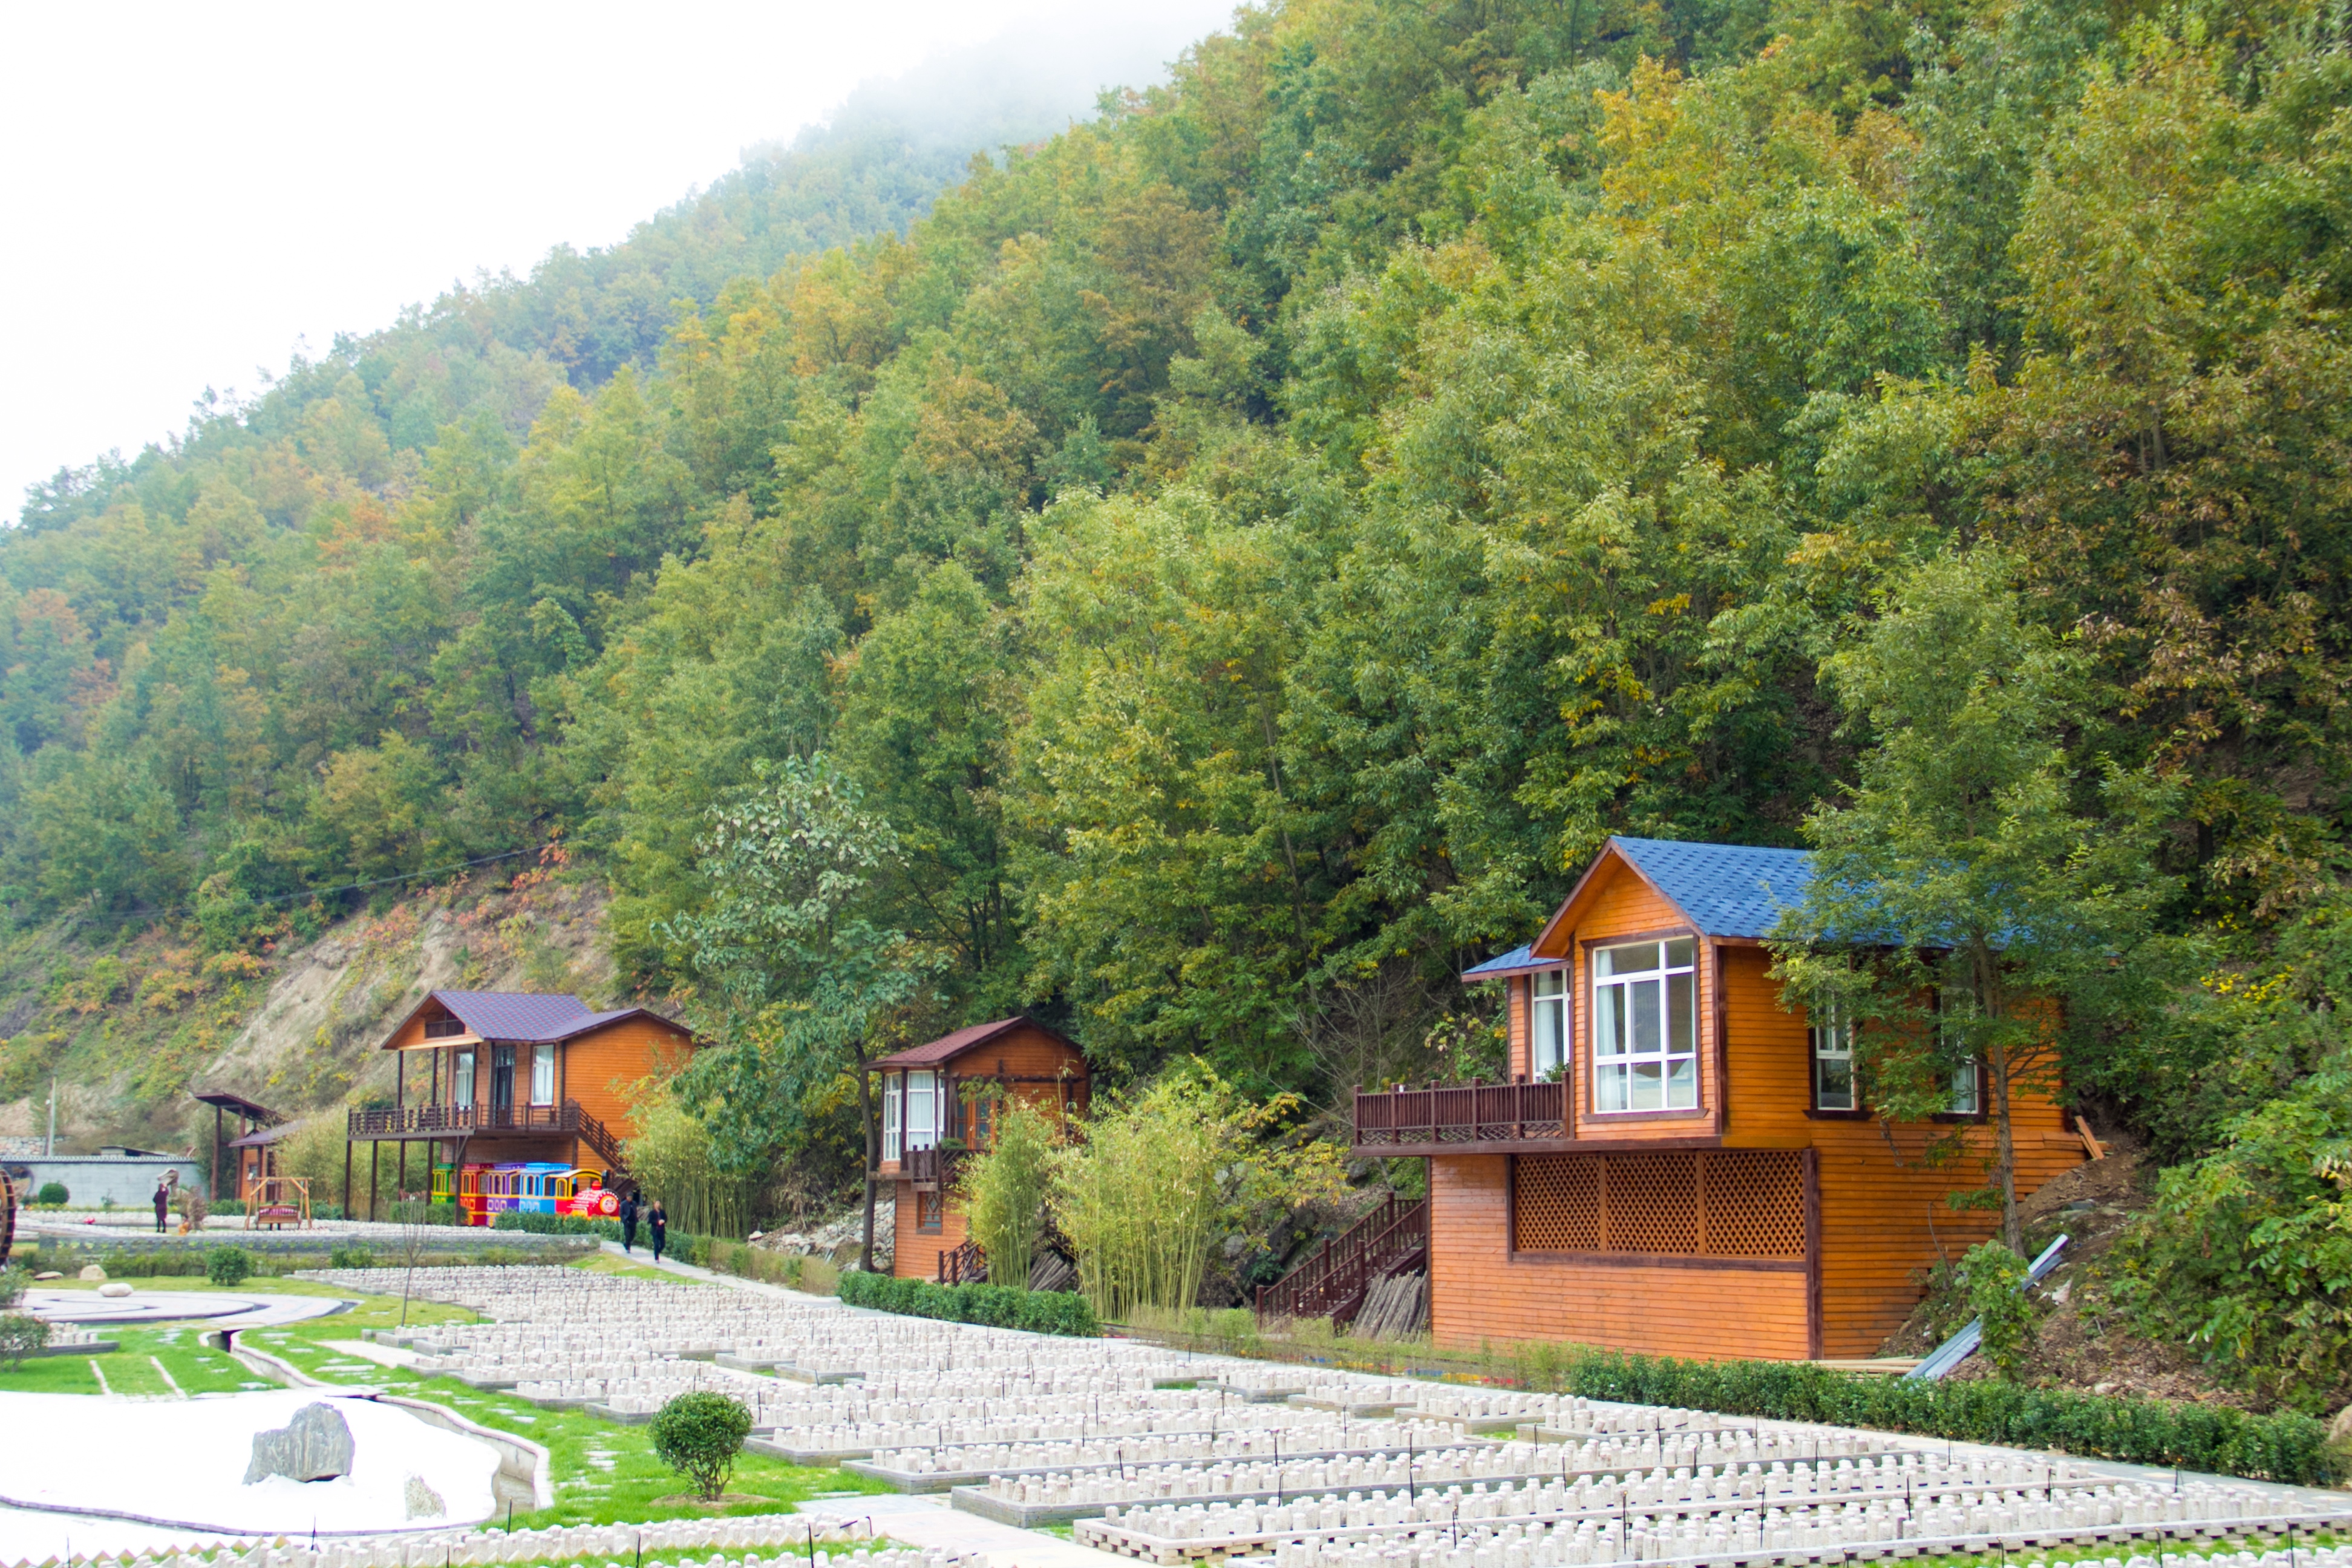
(2282, 1447)
(997, 1306)
(558, 1225)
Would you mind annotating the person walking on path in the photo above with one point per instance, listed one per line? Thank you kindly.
(162, 1203)
(658, 1224)
(629, 1221)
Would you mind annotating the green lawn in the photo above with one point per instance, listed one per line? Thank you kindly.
(605, 1473)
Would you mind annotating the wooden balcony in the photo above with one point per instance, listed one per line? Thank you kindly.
(932, 1170)
(418, 1123)
(1463, 1118)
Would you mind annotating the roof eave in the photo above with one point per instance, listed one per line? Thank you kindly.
(1544, 938)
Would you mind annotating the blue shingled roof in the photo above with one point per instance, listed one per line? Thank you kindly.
(1727, 890)
(1519, 957)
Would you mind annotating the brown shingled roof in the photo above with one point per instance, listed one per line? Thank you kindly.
(947, 1047)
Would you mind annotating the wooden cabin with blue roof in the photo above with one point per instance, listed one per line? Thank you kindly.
(1680, 1163)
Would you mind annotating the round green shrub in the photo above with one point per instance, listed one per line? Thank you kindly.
(228, 1265)
(21, 1334)
(698, 1435)
(53, 1193)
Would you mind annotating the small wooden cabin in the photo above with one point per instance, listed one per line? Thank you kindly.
(488, 1077)
(1679, 1163)
(940, 1101)
(235, 1176)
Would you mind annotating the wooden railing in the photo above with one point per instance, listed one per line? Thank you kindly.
(411, 1121)
(1457, 1114)
(965, 1264)
(933, 1168)
(1332, 1283)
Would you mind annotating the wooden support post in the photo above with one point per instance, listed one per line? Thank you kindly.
(400, 1183)
(347, 1174)
(375, 1173)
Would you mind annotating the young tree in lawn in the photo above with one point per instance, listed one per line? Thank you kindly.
(1973, 882)
(806, 979)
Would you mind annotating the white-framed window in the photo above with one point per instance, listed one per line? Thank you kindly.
(1967, 1088)
(542, 1075)
(894, 1101)
(461, 1080)
(922, 1110)
(1646, 1027)
(1547, 1021)
(1832, 1059)
(1968, 1098)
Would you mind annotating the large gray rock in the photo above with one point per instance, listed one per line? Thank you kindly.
(316, 1446)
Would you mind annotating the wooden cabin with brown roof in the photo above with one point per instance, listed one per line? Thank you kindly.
(940, 1100)
(495, 1077)
(1679, 1163)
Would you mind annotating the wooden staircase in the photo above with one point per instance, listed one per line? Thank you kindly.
(1392, 1240)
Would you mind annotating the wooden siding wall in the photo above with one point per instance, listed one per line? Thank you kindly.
(1024, 1053)
(1480, 1290)
(915, 1255)
(596, 1069)
(412, 1033)
(1883, 1215)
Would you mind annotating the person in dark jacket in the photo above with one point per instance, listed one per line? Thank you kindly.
(629, 1221)
(658, 1224)
(162, 1203)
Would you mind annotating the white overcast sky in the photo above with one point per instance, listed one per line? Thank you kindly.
(191, 191)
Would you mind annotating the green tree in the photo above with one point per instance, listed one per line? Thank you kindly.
(1971, 884)
(808, 981)
(698, 1435)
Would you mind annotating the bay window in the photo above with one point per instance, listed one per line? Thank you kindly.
(1646, 1027)
(922, 1110)
(1548, 1049)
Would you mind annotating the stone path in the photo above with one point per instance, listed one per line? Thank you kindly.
(217, 1311)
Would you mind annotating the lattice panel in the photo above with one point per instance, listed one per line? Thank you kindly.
(1556, 1206)
(1755, 1201)
(1746, 1202)
(1653, 1202)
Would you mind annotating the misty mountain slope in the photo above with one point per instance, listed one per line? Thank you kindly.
(496, 347)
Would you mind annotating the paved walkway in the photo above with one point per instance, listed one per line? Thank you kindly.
(216, 1310)
(929, 1521)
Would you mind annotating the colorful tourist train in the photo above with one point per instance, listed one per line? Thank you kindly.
(484, 1192)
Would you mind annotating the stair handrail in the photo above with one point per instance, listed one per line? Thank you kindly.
(1347, 1262)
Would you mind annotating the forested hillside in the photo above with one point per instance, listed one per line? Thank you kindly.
(1249, 550)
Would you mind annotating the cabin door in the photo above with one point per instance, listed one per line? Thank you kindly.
(502, 1080)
